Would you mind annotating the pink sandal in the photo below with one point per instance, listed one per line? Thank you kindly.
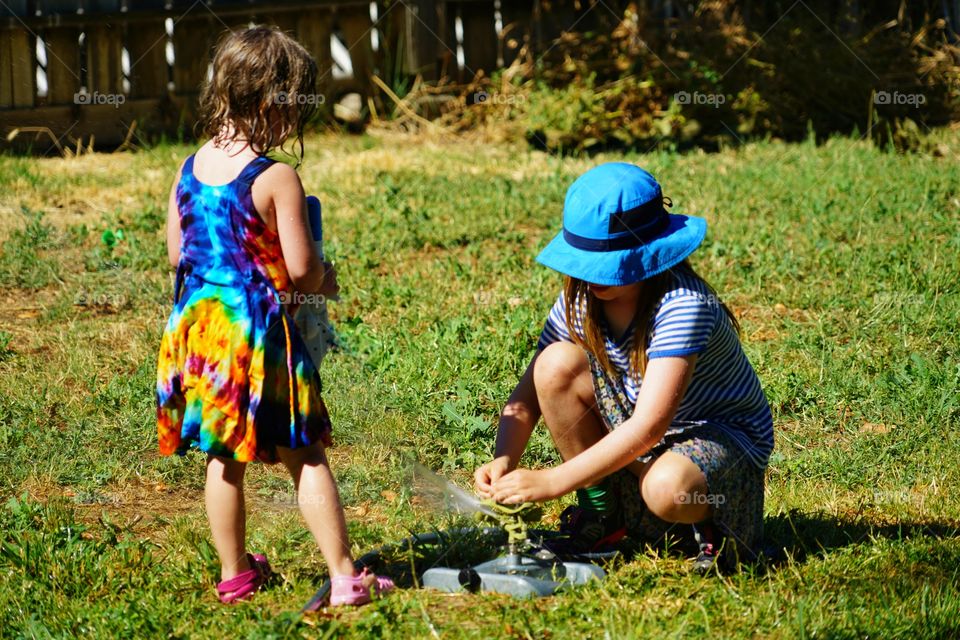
(246, 583)
(349, 590)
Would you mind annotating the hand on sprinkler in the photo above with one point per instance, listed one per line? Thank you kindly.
(487, 474)
(527, 485)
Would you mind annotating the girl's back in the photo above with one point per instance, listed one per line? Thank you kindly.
(234, 376)
(222, 234)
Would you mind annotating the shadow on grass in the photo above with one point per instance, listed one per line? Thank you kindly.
(801, 535)
(797, 536)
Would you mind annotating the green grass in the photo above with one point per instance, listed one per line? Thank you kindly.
(840, 260)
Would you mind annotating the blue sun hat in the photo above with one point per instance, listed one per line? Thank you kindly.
(616, 230)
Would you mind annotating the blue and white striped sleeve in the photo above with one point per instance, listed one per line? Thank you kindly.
(555, 328)
(682, 326)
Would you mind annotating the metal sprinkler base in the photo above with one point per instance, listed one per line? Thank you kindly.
(521, 576)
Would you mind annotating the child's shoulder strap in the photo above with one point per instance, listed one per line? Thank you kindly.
(187, 169)
(256, 166)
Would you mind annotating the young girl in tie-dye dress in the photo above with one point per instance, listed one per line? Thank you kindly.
(235, 380)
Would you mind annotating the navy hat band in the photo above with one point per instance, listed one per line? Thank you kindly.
(655, 219)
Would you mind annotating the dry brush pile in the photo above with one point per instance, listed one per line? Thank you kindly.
(716, 75)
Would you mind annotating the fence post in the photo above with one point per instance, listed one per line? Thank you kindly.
(63, 64)
(17, 74)
(313, 32)
(420, 37)
(147, 46)
(355, 24)
(479, 36)
(104, 44)
(191, 48)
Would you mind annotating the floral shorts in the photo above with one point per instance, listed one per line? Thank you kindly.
(734, 483)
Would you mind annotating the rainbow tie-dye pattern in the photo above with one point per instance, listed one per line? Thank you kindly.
(234, 377)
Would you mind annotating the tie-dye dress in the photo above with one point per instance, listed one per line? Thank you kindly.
(234, 377)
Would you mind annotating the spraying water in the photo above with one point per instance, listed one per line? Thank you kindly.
(441, 493)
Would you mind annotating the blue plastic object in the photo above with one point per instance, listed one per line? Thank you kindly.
(315, 215)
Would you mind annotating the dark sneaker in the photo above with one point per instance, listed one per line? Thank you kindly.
(583, 531)
(710, 545)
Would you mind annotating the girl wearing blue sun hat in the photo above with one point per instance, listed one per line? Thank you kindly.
(642, 382)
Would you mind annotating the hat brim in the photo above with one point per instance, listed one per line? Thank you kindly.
(628, 266)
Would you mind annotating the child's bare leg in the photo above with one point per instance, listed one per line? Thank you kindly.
(564, 386)
(669, 485)
(227, 514)
(568, 401)
(320, 504)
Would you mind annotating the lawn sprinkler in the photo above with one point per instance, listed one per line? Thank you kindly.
(526, 569)
(458, 559)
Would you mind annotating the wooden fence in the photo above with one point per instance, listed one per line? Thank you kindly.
(87, 68)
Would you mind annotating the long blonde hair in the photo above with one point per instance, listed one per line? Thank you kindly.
(577, 296)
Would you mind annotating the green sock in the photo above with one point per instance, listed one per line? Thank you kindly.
(598, 499)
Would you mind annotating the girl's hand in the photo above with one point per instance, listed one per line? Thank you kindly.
(330, 287)
(489, 473)
(527, 485)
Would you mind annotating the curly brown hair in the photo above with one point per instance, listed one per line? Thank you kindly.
(263, 89)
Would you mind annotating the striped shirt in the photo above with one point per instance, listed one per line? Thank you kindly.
(724, 390)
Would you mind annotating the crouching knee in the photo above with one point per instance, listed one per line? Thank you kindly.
(673, 497)
(559, 367)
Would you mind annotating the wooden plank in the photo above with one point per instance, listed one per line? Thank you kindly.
(479, 37)
(63, 64)
(418, 30)
(56, 7)
(192, 53)
(6, 73)
(102, 6)
(445, 41)
(187, 12)
(104, 43)
(313, 32)
(236, 23)
(147, 47)
(23, 75)
(146, 5)
(107, 123)
(355, 25)
(13, 8)
(286, 21)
